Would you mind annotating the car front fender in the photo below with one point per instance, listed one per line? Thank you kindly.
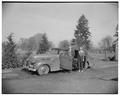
(37, 65)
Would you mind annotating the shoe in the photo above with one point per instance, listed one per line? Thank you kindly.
(79, 71)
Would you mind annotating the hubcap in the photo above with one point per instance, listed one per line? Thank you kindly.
(43, 70)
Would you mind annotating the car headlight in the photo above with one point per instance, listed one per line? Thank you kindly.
(36, 65)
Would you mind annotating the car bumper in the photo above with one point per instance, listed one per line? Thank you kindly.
(30, 68)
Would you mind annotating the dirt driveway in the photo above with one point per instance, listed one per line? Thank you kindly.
(94, 80)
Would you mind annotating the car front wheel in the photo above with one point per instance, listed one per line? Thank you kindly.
(43, 69)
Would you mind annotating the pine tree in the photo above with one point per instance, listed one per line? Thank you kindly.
(44, 45)
(9, 58)
(82, 33)
(45, 42)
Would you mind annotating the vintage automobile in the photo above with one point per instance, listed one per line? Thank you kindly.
(45, 63)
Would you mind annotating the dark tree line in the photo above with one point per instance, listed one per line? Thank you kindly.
(14, 55)
(33, 43)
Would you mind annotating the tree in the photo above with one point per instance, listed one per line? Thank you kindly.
(82, 33)
(106, 45)
(32, 43)
(116, 33)
(9, 58)
(51, 44)
(73, 41)
(64, 44)
(44, 45)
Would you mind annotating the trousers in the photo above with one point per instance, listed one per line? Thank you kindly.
(81, 62)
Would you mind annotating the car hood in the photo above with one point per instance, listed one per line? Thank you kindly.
(45, 57)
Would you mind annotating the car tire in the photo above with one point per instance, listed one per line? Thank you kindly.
(43, 69)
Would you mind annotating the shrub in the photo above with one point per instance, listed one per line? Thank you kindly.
(22, 57)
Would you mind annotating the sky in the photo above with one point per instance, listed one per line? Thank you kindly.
(58, 20)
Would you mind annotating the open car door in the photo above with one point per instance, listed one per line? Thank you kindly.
(66, 62)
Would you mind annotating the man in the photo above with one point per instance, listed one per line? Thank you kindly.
(86, 60)
(81, 60)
